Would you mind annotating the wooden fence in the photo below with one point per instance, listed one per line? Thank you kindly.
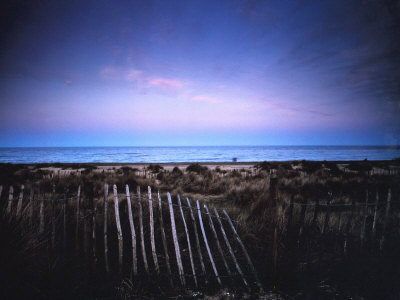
(186, 243)
(206, 245)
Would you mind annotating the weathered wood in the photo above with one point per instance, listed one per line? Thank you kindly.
(188, 241)
(275, 252)
(221, 253)
(152, 240)
(133, 232)
(94, 233)
(364, 222)
(119, 230)
(64, 208)
(105, 228)
(176, 244)
(327, 213)
(10, 199)
(31, 207)
(348, 227)
(164, 239)
(19, 205)
(78, 213)
(290, 214)
(385, 220)
(1, 190)
(53, 218)
(206, 242)
(41, 213)
(203, 267)
(315, 214)
(375, 215)
(146, 265)
(301, 221)
(228, 244)
(253, 270)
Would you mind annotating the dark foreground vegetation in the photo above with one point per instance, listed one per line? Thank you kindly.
(314, 230)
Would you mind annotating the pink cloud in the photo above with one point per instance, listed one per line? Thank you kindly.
(164, 83)
(133, 75)
(206, 99)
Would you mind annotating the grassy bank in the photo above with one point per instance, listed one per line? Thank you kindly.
(312, 253)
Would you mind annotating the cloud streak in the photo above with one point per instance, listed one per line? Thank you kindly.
(138, 76)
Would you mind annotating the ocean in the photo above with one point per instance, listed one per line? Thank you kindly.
(195, 154)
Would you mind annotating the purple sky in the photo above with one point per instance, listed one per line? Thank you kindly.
(127, 73)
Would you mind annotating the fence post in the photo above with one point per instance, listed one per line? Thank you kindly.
(228, 270)
(203, 268)
(53, 218)
(1, 190)
(301, 221)
(41, 212)
(94, 233)
(375, 216)
(188, 241)
(19, 206)
(230, 248)
(105, 227)
(133, 232)
(385, 220)
(146, 266)
(206, 242)
(316, 210)
(164, 239)
(119, 230)
(244, 251)
(31, 207)
(328, 206)
(10, 199)
(176, 244)
(364, 223)
(65, 222)
(78, 212)
(152, 241)
(348, 226)
(290, 214)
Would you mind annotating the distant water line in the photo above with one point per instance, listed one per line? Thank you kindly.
(195, 154)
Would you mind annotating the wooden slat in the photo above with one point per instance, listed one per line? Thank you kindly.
(146, 265)
(364, 222)
(176, 244)
(119, 230)
(41, 213)
(10, 199)
(228, 244)
(94, 233)
(105, 227)
(253, 270)
(53, 218)
(152, 240)
(375, 216)
(221, 253)
(206, 242)
(203, 268)
(133, 232)
(19, 205)
(164, 239)
(31, 207)
(78, 213)
(64, 208)
(385, 220)
(188, 241)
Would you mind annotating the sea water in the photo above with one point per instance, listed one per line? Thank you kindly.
(195, 154)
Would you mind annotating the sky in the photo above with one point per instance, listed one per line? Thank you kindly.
(174, 73)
